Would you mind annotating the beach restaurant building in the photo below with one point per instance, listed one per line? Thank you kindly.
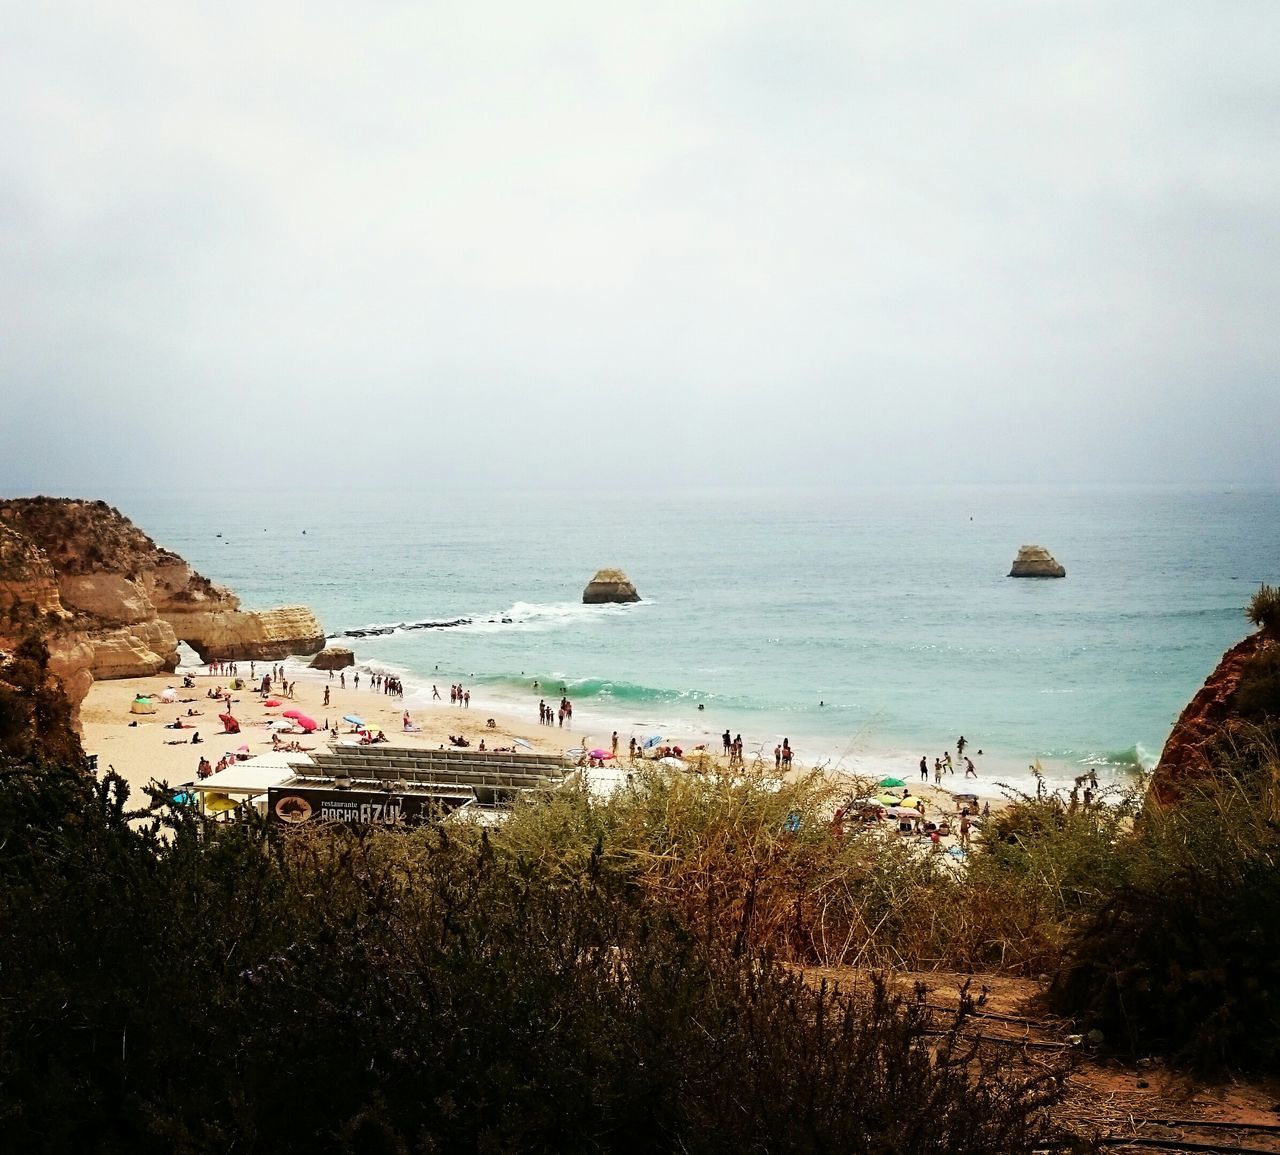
(376, 784)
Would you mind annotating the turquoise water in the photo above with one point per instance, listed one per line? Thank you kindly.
(891, 607)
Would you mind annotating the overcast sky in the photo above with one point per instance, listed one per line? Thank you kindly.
(691, 243)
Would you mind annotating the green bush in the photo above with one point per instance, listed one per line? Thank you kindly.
(1183, 958)
(1264, 609)
(1257, 697)
(170, 985)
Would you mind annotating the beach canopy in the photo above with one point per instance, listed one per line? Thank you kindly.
(891, 782)
(354, 719)
(651, 742)
(308, 724)
(271, 703)
(291, 714)
(601, 754)
(142, 705)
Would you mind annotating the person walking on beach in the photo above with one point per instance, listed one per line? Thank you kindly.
(946, 761)
(969, 771)
(615, 743)
(777, 757)
(435, 692)
(937, 771)
(924, 768)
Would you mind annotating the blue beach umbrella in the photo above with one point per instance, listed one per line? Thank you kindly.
(650, 742)
(353, 719)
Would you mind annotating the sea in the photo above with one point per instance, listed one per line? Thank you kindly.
(869, 626)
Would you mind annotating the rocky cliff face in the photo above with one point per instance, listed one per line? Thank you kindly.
(1209, 719)
(110, 603)
(609, 585)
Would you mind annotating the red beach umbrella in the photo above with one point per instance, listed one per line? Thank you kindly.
(308, 724)
(292, 714)
(272, 702)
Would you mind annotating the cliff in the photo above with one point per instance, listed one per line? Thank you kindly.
(1209, 719)
(110, 603)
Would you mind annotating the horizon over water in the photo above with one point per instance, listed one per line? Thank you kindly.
(890, 605)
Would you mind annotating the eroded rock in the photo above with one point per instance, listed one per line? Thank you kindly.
(609, 585)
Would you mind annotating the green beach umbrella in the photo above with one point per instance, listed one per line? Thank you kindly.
(891, 782)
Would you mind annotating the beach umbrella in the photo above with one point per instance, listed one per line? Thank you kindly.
(522, 742)
(281, 724)
(353, 719)
(308, 724)
(671, 762)
(912, 802)
(602, 754)
(243, 748)
(291, 714)
(886, 800)
(271, 703)
(649, 743)
(218, 803)
(891, 782)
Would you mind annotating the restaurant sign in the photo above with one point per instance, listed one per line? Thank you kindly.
(296, 805)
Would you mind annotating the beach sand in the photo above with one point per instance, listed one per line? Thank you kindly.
(150, 750)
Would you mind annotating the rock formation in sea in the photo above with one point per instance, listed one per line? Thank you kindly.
(109, 603)
(333, 658)
(1036, 561)
(609, 585)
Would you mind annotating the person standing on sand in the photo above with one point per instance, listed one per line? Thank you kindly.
(937, 771)
(965, 824)
(357, 678)
(326, 696)
(969, 771)
(342, 680)
(777, 757)
(466, 699)
(960, 745)
(786, 754)
(615, 743)
(924, 769)
(727, 741)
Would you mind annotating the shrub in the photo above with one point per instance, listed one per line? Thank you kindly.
(1257, 697)
(1183, 958)
(171, 985)
(1264, 609)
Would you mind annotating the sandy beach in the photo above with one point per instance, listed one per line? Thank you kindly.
(141, 748)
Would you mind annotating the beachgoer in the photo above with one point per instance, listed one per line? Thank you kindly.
(960, 744)
(946, 761)
(969, 771)
(786, 754)
(615, 743)
(777, 757)
(924, 769)
(936, 839)
(937, 771)
(728, 741)
(435, 693)
(632, 747)
(965, 824)
(326, 695)
(466, 699)
(342, 680)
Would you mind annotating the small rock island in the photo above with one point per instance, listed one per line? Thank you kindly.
(609, 585)
(1035, 561)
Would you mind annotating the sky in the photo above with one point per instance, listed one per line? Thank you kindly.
(492, 245)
